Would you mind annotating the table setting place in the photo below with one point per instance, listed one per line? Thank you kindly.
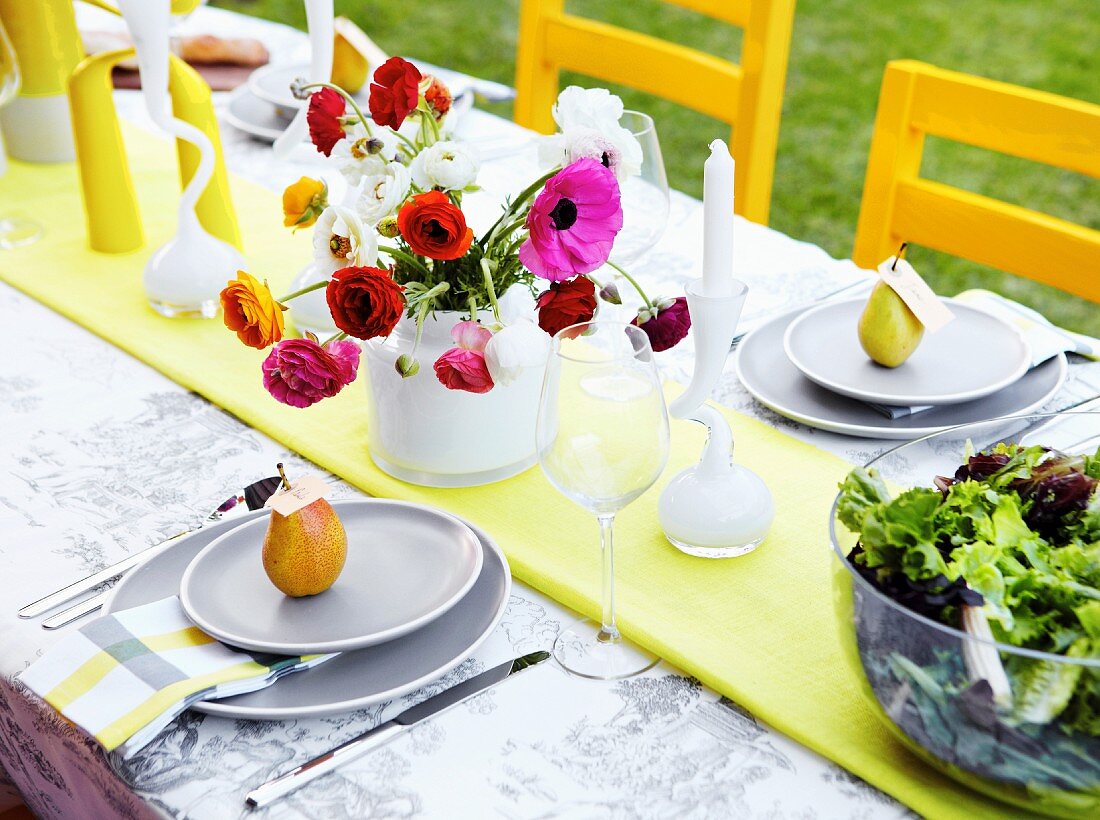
(366, 454)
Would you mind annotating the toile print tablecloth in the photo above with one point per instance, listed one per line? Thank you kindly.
(102, 456)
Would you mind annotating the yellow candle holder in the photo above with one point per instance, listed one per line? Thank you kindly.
(110, 203)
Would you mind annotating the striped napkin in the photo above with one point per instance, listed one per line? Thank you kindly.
(126, 676)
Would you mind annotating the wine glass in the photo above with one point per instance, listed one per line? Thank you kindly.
(645, 197)
(603, 440)
(14, 230)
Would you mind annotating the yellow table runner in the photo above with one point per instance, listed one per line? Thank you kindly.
(759, 629)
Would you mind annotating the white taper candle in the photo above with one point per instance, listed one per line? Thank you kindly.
(718, 173)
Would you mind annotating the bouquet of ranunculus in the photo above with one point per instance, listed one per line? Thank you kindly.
(398, 244)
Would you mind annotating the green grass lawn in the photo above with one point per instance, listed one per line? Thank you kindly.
(837, 57)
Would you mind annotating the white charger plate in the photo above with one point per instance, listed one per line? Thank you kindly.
(768, 375)
(974, 355)
(354, 680)
(406, 566)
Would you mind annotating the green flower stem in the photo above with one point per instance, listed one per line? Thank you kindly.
(413, 150)
(426, 114)
(347, 98)
(472, 303)
(490, 289)
(429, 295)
(519, 201)
(406, 258)
(421, 315)
(335, 337)
(502, 232)
(633, 282)
(307, 289)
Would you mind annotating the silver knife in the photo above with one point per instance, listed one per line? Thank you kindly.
(384, 733)
(252, 497)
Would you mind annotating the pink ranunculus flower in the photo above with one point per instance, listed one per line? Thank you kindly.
(463, 367)
(300, 372)
(667, 325)
(573, 222)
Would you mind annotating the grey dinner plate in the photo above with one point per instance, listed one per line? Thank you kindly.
(769, 376)
(974, 355)
(353, 680)
(406, 565)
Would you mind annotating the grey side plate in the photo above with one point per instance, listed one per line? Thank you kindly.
(407, 564)
(769, 376)
(354, 680)
(973, 356)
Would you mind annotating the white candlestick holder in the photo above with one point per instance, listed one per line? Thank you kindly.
(184, 276)
(714, 509)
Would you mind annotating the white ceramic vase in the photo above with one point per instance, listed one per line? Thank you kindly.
(423, 433)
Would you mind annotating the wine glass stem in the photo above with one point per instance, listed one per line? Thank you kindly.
(609, 633)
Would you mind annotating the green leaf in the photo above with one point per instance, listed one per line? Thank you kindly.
(859, 492)
(1041, 690)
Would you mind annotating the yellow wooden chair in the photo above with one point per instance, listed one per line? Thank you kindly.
(748, 96)
(898, 205)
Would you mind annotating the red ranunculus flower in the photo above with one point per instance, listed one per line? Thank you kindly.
(669, 326)
(394, 92)
(439, 98)
(323, 115)
(566, 303)
(364, 302)
(433, 227)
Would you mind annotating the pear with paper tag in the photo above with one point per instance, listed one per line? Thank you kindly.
(305, 546)
(900, 308)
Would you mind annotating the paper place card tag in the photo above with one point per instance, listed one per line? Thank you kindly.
(914, 291)
(302, 493)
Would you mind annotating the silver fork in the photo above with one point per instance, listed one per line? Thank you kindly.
(252, 497)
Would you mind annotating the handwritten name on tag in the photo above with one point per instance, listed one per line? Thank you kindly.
(301, 494)
(914, 291)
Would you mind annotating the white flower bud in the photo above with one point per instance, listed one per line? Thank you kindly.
(514, 348)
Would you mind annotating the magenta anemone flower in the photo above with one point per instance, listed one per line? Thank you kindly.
(573, 222)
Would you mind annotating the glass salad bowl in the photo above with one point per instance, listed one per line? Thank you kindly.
(1018, 724)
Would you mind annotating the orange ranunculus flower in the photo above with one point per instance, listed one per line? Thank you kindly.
(432, 226)
(303, 202)
(250, 311)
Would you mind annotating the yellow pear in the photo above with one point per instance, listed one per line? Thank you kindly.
(888, 330)
(354, 56)
(304, 552)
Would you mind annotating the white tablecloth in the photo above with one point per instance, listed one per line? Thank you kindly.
(102, 456)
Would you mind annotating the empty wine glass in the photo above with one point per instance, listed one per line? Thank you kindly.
(602, 441)
(14, 230)
(645, 198)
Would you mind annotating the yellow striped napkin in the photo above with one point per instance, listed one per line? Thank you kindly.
(124, 677)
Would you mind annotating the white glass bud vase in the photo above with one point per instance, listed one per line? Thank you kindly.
(310, 312)
(421, 432)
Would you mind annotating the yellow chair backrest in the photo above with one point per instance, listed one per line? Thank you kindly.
(748, 96)
(898, 205)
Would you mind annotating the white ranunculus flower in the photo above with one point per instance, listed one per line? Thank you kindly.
(379, 195)
(447, 165)
(614, 146)
(340, 240)
(588, 122)
(514, 348)
(587, 108)
(353, 156)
